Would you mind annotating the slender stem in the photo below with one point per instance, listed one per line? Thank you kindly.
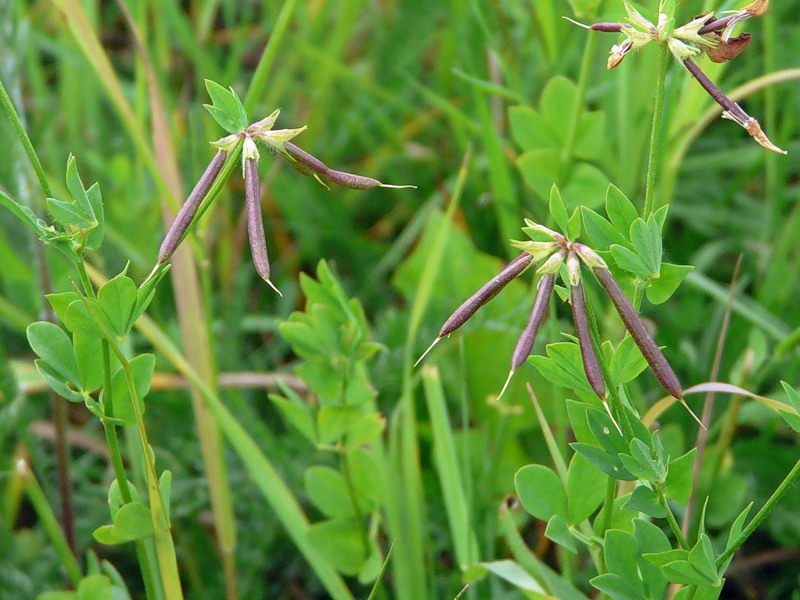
(673, 523)
(655, 134)
(16, 122)
(776, 496)
(580, 98)
(608, 506)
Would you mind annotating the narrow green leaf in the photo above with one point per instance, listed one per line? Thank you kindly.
(558, 531)
(630, 261)
(619, 209)
(54, 347)
(702, 558)
(68, 214)
(298, 415)
(585, 488)
(681, 571)
(627, 363)
(558, 210)
(117, 299)
(601, 232)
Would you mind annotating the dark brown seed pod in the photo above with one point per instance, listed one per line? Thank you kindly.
(352, 181)
(591, 365)
(255, 224)
(481, 297)
(635, 326)
(189, 209)
(606, 27)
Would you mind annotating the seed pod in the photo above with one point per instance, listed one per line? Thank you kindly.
(591, 365)
(305, 163)
(525, 343)
(606, 27)
(528, 337)
(352, 181)
(189, 209)
(255, 224)
(635, 326)
(481, 297)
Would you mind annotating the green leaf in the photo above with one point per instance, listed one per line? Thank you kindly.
(563, 366)
(616, 587)
(664, 557)
(681, 571)
(97, 233)
(60, 303)
(117, 299)
(227, 110)
(298, 414)
(340, 541)
(627, 363)
(530, 130)
(576, 412)
(660, 289)
(24, 214)
(585, 488)
(132, 521)
(327, 490)
(77, 190)
(679, 477)
(792, 395)
(87, 355)
(630, 261)
(142, 372)
(700, 592)
(95, 587)
(514, 574)
(541, 493)
(702, 558)
(54, 347)
(645, 500)
(585, 186)
(646, 241)
(622, 554)
(606, 433)
(145, 293)
(607, 463)
(558, 211)
(575, 224)
(365, 430)
(68, 214)
(79, 319)
(58, 384)
(600, 231)
(558, 531)
(539, 168)
(621, 211)
(650, 539)
(368, 479)
(334, 421)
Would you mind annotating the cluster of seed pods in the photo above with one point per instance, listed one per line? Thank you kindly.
(552, 255)
(299, 159)
(705, 33)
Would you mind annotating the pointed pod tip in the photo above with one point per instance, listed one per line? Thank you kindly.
(613, 420)
(397, 187)
(505, 385)
(272, 285)
(691, 412)
(424, 354)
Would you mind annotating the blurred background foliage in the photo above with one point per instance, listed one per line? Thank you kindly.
(402, 90)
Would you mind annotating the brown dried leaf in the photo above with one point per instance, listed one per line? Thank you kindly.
(724, 50)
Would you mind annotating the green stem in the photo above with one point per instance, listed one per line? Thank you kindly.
(776, 496)
(608, 506)
(655, 134)
(673, 523)
(580, 98)
(49, 523)
(16, 122)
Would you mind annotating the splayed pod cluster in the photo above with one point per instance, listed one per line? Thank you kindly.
(704, 34)
(277, 141)
(551, 255)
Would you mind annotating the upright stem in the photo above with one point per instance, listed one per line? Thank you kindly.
(655, 133)
(776, 496)
(580, 98)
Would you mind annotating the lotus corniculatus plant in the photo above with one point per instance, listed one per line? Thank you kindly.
(704, 34)
(550, 256)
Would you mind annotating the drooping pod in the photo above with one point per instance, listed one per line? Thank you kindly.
(308, 164)
(525, 343)
(488, 291)
(591, 365)
(189, 209)
(635, 326)
(255, 224)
